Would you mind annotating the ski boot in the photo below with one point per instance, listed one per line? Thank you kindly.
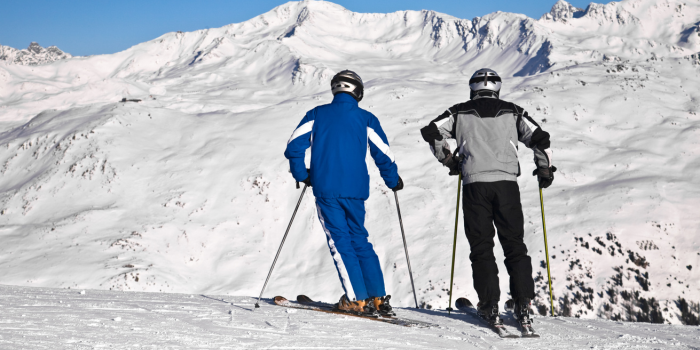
(381, 304)
(521, 311)
(361, 307)
(489, 313)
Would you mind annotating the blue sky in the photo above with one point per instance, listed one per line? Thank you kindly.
(89, 27)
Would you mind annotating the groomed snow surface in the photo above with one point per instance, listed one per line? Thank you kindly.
(188, 191)
(47, 318)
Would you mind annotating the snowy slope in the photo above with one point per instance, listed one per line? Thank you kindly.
(187, 191)
(44, 318)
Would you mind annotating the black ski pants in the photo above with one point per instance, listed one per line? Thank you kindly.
(486, 204)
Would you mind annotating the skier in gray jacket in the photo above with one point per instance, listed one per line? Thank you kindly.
(487, 130)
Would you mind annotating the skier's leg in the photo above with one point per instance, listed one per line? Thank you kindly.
(334, 223)
(508, 217)
(369, 262)
(478, 226)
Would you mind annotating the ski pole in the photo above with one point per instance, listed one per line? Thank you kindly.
(546, 253)
(257, 304)
(454, 244)
(405, 248)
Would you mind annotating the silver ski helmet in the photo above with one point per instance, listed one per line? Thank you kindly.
(485, 81)
(349, 82)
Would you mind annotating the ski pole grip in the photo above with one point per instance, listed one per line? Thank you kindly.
(297, 185)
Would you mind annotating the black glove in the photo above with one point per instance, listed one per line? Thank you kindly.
(540, 139)
(545, 176)
(307, 182)
(399, 185)
(453, 163)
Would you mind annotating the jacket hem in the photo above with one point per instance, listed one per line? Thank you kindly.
(339, 195)
(489, 178)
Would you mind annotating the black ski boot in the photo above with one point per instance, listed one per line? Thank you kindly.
(521, 311)
(370, 308)
(489, 313)
(383, 307)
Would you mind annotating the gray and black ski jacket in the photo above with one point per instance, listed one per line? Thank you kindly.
(487, 131)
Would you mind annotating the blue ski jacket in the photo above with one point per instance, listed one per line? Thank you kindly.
(339, 134)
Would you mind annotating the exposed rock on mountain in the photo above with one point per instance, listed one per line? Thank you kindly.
(562, 11)
(33, 55)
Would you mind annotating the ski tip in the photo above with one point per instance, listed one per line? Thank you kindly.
(304, 299)
(463, 302)
(280, 300)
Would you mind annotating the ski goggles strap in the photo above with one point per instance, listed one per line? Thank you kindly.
(492, 78)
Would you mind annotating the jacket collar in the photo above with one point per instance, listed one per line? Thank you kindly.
(484, 94)
(344, 98)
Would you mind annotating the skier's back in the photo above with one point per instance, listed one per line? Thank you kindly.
(339, 134)
(487, 130)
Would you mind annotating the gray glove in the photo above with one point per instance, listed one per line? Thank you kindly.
(453, 162)
(545, 176)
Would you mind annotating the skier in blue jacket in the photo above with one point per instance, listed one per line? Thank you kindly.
(339, 134)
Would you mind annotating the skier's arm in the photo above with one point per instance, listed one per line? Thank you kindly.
(537, 140)
(437, 133)
(381, 153)
(297, 145)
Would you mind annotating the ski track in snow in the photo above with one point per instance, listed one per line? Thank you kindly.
(188, 191)
(48, 318)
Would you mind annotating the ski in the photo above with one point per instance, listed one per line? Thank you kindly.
(526, 330)
(328, 308)
(303, 299)
(464, 305)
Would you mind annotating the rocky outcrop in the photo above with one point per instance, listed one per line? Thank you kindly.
(33, 55)
(562, 11)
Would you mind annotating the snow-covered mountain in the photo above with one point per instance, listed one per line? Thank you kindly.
(188, 190)
(33, 55)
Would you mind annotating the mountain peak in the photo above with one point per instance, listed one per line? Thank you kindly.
(562, 11)
(33, 55)
(34, 47)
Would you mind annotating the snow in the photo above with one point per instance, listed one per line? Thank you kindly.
(45, 318)
(187, 191)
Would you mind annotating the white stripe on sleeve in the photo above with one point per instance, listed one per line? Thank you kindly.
(301, 130)
(529, 124)
(441, 121)
(377, 141)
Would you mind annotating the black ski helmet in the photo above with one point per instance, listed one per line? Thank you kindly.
(349, 82)
(485, 81)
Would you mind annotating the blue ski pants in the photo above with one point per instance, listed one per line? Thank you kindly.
(343, 220)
